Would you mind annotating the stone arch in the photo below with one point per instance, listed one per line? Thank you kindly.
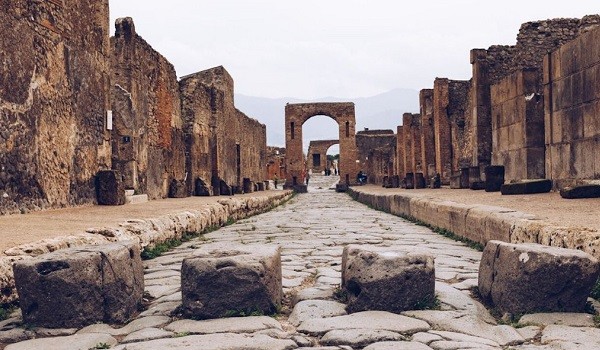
(317, 154)
(296, 115)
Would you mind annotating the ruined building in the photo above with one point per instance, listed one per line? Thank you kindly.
(376, 153)
(530, 107)
(74, 102)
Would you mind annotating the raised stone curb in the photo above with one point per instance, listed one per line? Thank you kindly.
(146, 232)
(482, 223)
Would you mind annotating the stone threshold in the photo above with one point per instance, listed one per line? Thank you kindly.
(481, 223)
(147, 232)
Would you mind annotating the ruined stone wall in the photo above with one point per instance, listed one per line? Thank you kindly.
(53, 102)
(517, 124)
(461, 127)
(442, 126)
(319, 147)
(572, 111)
(276, 163)
(376, 153)
(407, 148)
(148, 146)
(224, 145)
(427, 133)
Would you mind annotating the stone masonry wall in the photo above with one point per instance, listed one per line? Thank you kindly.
(400, 161)
(53, 102)
(427, 133)
(460, 123)
(376, 153)
(571, 82)
(219, 134)
(147, 138)
(407, 148)
(517, 122)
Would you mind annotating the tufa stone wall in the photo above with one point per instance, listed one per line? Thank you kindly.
(571, 79)
(376, 153)
(53, 102)
(147, 137)
(517, 122)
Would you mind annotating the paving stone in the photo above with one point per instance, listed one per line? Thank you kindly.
(309, 309)
(459, 337)
(456, 345)
(147, 334)
(564, 319)
(315, 293)
(162, 309)
(585, 338)
(133, 326)
(53, 332)
(359, 337)
(529, 332)
(397, 345)
(364, 320)
(425, 337)
(72, 342)
(248, 324)
(15, 335)
(222, 341)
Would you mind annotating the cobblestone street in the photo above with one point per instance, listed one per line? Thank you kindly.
(312, 230)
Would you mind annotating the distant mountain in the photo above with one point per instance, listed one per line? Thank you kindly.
(383, 111)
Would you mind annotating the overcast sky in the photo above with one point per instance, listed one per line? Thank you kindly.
(319, 48)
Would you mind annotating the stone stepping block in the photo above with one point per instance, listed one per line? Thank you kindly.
(582, 191)
(387, 279)
(226, 281)
(75, 287)
(525, 278)
(527, 187)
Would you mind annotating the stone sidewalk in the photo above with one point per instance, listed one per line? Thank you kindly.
(312, 230)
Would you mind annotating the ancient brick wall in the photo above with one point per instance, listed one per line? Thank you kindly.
(53, 102)
(427, 133)
(218, 134)
(517, 124)
(572, 110)
(147, 138)
(376, 153)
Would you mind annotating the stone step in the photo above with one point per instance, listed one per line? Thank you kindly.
(136, 199)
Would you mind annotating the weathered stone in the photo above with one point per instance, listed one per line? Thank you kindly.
(222, 341)
(386, 279)
(558, 318)
(364, 320)
(133, 326)
(572, 337)
(308, 309)
(78, 286)
(249, 324)
(358, 338)
(419, 180)
(146, 334)
(313, 294)
(494, 178)
(397, 345)
(109, 188)
(341, 188)
(581, 191)
(72, 342)
(232, 282)
(521, 278)
(177, 189)
(527, 187)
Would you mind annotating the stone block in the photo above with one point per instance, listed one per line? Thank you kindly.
(341, 187)
(72, 288)
(232, 281)
(260, 186)
(387, 279)
(455, 181)
(581, 191)
(248, 185)
(419, 180)
(525, 278)
(409, 180)
(477, 185)
(109, 188)
(527, 187)
(494, 178)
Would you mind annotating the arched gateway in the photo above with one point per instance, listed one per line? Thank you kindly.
(317, 154)
(296, 115)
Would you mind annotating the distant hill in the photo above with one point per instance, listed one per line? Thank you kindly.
(383, 111)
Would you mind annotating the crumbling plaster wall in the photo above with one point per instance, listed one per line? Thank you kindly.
(53, 102)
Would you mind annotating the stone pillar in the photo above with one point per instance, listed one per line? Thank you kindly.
(481, 102)
(443, 136)
(415, 133)
(427, 133)
(408, 140)
(400, 164)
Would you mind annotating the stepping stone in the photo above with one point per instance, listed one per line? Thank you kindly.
(72, 288)
(527, 187)
(525, 278)
(309, 309)
(582, 191)
(241, 281)
(387, 279)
